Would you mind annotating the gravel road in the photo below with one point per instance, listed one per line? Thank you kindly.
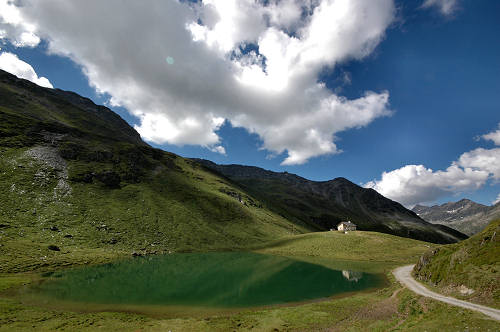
(403, 275)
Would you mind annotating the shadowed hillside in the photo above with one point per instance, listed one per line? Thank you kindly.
(323, 205)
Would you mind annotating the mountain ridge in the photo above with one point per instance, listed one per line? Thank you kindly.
(464, 215)
(323, 204)
(65, 113)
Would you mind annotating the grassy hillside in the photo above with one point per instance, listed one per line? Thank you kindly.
(383, 250)
(469, 269)
(186, 209)
(78, 185)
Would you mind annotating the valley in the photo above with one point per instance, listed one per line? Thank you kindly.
(80, 191)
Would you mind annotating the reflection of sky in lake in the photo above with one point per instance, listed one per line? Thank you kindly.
(210, 280)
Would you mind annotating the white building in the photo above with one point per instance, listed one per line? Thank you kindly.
(346, 226)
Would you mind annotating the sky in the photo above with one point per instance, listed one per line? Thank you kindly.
(398, 96)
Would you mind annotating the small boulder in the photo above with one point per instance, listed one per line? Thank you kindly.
(464, 290)
(54, 248)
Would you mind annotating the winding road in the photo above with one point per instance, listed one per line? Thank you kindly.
(403, 275)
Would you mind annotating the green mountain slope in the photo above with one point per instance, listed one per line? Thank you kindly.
(322, 205)
(469, 269)
(78, 184)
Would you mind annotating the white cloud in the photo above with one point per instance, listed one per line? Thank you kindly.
(482, 159)
(307, 136)
(272, 92)
(413, 184)
(496, 201)
(493, 136)
(218, 149)
(227, 23)
(14, 28)
(12, 64)
(445, 7)
(286, 13)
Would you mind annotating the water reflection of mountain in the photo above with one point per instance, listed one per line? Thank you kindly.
(352, 275)
(231, 279)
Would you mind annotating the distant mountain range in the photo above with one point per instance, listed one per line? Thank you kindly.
(322, 205)
(465, 215)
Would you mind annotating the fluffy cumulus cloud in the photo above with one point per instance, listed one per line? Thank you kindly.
(445, 7)
(12, 64)
(482, 159)
(184, 68)
(414, 184)
(14, 28)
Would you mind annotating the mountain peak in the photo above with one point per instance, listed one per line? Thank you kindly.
(464, 215)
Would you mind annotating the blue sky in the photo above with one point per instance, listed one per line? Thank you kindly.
(440, 68)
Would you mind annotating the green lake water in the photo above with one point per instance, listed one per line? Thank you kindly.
(216, 280)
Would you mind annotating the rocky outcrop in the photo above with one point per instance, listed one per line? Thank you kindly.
(465, 215)
(49, 157)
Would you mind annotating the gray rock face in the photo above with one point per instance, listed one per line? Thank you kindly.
(465, 215)
(50, 157)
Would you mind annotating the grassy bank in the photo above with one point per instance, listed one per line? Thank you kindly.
(390, 308)
(468, 270)
(378, 311)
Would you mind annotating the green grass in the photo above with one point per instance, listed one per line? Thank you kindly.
(377, 252)
(473, 263)
(367, 312)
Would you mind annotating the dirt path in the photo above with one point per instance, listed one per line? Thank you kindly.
(403, 275)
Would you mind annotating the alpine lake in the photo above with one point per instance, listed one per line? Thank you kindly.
(187, 282)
